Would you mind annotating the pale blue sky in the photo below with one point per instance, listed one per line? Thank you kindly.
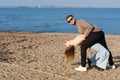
(76, 3)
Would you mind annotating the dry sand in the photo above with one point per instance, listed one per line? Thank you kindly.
(40, 56)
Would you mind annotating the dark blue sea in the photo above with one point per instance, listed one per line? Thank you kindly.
(53, 19)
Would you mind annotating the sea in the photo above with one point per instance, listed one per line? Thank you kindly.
(54, 19)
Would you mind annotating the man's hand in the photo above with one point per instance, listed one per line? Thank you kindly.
(82, 37)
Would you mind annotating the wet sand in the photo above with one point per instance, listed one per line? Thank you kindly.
(40, 56)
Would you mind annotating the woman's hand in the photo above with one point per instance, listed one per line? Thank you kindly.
(67, 44)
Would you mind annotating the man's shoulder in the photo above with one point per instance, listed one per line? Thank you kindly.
(82, 21)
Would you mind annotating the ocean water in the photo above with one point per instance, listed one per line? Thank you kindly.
(53, 19)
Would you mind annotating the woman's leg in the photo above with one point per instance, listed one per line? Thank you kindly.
(101, 57)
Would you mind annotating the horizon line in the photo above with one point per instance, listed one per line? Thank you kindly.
(38, 6)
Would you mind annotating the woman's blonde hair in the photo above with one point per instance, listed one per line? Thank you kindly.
(69, 53)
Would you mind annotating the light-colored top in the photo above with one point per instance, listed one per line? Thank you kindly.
(77, 40)
(85, 27)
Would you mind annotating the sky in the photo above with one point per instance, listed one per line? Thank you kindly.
(73, 3)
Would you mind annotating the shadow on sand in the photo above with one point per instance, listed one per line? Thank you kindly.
(117, 60)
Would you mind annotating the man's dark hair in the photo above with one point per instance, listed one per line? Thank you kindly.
(69, 16)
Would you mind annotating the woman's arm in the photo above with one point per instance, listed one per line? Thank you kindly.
(76, 41)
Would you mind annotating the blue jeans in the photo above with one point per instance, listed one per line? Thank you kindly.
(101, 57)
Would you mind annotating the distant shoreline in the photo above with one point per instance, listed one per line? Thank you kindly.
(52, 7)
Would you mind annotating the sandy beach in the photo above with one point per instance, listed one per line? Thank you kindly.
(40, 56)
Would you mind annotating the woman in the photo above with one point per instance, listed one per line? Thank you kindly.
(100, 58)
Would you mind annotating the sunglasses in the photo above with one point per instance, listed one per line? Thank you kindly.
(70, 20)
